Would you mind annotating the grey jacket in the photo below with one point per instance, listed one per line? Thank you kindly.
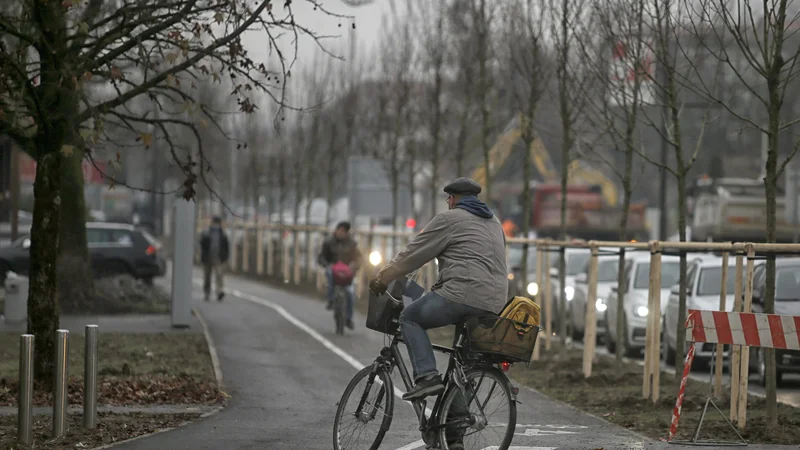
(472, 259)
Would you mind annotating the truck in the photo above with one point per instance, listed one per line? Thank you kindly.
(734, 209)
(589, 215)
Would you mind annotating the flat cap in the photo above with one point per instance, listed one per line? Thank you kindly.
(463, 186)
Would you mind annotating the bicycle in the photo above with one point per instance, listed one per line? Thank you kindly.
(471, 362)
(339, 308)
(341, 277)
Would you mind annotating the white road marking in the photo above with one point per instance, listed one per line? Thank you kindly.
(413, 445)
(358, 365)
(538, 432)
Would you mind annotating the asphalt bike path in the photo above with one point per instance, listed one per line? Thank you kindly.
(286, 370)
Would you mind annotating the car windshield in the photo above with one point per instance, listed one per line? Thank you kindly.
(711, 280)
(607, 271)
(787, 284)
(576, 263)
(670, 274)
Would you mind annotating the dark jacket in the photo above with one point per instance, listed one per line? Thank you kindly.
(345, 250)
(205, 245)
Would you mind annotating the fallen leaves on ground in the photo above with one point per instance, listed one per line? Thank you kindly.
(111, 428)
(142, 390)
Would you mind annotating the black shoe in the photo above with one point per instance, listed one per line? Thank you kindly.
(457, 445)
(329, 306)
(220, 296)
(425, 388)
(350, 325)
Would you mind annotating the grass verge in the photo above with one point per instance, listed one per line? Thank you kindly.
(614, 392)
(111, 428)
(134, 369)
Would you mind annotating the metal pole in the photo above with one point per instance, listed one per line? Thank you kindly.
(90, 379)
(60, 388)
(25, 400)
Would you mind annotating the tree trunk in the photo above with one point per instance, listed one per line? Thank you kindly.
(76, 281)
(623, 226)
(771, 186)
(43, 289)
(566, 144)
(527, 138)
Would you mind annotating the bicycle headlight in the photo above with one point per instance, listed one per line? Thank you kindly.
(375, 258)
(533, 289)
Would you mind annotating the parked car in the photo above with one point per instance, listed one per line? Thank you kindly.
(607, 274)
(703, 286)
(787, 303)
(114, 249)
(637, 279)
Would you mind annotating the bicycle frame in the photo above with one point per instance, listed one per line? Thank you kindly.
(390, 358)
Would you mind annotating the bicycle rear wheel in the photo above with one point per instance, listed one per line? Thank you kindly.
(367, 400)
(339, 313)
(483, 415)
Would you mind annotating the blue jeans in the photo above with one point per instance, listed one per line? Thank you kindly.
(348, 289)
(430, 311)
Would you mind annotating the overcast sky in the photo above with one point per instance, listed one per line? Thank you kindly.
(367, 19)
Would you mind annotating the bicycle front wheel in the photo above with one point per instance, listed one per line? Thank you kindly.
(480, 416)
(367, 403)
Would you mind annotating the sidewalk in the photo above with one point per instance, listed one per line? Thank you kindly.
(128, 323)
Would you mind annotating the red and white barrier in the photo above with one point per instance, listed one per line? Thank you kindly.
(750, 329)
(746, 329)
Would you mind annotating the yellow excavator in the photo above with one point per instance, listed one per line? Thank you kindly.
(579, 171)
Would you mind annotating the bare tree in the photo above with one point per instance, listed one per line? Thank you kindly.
(394, 101)
(571, 79)
(758, 44)
(483, 15)
(619, 37)
(524, 25)
(435, 41)
(53, 50)
(674, 60)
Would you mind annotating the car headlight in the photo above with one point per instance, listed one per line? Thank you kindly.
(600, 305)
(533, 289)
(511, 277)
(375, 258)
(570, 292)
(641, 311)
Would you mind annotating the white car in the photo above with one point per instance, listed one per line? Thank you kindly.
(703, 286)
(637, 279)
(607, 271)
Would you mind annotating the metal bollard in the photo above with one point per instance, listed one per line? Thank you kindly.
(60, 388)
(25, 400)
(90, 379)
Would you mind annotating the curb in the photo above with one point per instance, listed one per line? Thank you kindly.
(163, 430)
(212, 349)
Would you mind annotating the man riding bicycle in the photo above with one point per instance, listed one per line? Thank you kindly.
(469, 242)
(340, 247)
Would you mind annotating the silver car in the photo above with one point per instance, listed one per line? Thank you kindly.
(703, 286)
(637, 279)
(607, 271)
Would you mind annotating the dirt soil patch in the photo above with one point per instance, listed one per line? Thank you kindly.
(134, 369)
(614, 392)
(111, 428)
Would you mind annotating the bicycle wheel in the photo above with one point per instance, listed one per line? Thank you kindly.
(481, 416)
(339, 305)
(372, 403)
